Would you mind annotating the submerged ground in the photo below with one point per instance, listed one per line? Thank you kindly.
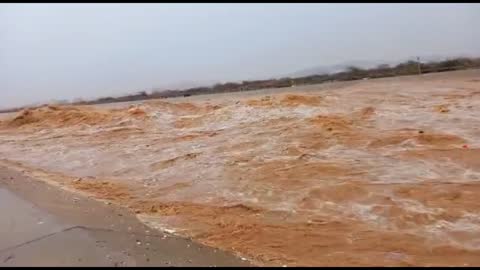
(375, 172)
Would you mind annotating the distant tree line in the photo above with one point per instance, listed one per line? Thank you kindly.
(351, 73)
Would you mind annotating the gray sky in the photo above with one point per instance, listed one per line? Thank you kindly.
(63, 51)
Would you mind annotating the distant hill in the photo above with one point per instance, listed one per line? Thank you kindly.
(330, 69)
(184, 85)
(367, 64)
(321, 74)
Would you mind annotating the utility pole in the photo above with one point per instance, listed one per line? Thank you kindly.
(419, 67)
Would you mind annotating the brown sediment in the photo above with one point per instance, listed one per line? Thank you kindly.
(137, 112)
(105, 190)
(161, 191)
(170, 162)
(68, 116)
(189, 121)
(240, 146)
(182, 108)
(248, 230)
(369, 177)
(266, 101)
(455, 199)
(328, 237)
(333, 123)
(121, 133)
(200, 116)
(287, 100)
(330, 242)
(427, 138)
(366, 112)
(279, 122)
(328, 130)
(439, 140)
(178, 106)
(443, 108)
(468, 158)
(288, 174)
(350, 190)
(191, 209)
(470, 93)
(60, 116)
(193, 136)
(296, 100)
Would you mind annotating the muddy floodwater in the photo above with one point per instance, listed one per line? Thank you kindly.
(374, 172)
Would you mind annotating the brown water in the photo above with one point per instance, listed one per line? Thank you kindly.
(381, 172)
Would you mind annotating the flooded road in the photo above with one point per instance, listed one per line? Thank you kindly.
(377, 172)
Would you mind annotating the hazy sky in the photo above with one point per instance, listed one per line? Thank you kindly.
(63, 51)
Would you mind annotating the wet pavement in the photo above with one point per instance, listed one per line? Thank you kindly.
(44, 226)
